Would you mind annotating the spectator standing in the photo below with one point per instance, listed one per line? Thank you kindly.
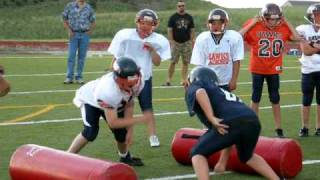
(181, 35)
(79, 20)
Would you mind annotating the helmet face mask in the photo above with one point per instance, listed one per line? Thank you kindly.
(127, 84)
(217, 21)
(272, 15)
(313, 14)
(126, 73)
(147, 21)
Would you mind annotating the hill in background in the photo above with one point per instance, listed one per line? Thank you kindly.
(41, 19)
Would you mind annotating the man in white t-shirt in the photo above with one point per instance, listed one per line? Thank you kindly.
(147, 48)
(219, 49)
(310, 66)
(112, 97)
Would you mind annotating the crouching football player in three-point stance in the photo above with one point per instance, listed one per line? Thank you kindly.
(112, 97)
(240, 126)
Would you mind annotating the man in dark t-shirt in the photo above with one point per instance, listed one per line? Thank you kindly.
(181, 36)
(229, 121)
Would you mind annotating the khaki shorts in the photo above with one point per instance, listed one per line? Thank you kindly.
(181, 49)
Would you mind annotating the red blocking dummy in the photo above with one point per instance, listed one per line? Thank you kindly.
(31, 162)
(283, 155)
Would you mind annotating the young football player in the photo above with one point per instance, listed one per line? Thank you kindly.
(267, 35)
(112, 97)
(310, 67)
(147, 48)
(229, 121)
(220, 49)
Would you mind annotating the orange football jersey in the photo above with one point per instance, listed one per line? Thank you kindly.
(267, 46)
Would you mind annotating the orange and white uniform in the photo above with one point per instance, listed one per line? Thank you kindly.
(267, 46)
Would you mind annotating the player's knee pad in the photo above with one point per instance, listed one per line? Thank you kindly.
(90, 133)
(274, 97)
(120, 134)
(307, 99)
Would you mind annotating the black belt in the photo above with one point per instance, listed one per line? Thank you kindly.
(80, 31)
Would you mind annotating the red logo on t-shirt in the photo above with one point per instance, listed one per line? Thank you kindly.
(218, 58)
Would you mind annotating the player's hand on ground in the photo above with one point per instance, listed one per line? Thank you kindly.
(221, 128)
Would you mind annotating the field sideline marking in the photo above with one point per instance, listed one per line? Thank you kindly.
(155, 100)
(155, 87)
(188, 176)
(156, 114)
(101, 72)
(31, 115)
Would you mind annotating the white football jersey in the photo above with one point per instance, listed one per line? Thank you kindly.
(104, 93)
(128, 43)
(309, 64)
(219, 57)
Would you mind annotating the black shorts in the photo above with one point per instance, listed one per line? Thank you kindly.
(91, 116)
(145, 97)
(243, 132)
(273, 82)
(309, 83)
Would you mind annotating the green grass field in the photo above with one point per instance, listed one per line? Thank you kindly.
(39, 95)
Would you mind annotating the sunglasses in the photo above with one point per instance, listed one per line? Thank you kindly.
(180, 5)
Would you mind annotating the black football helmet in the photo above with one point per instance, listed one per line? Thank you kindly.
(126, 73)
(201, 73)
(271, 11)
(218, 15)
(147, 15)
(314, 8)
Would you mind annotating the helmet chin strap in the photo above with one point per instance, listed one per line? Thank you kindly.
(219, 32)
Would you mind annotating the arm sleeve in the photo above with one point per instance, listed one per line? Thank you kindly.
(191, 22)
(238, 49)
(65, 13)
(116, 46)
(163, 48)
(92, 17)
(198, 56)
(170, 22)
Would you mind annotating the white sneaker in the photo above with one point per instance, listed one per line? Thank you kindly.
(154, 141)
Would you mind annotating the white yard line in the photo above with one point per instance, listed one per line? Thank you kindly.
(99, 72)
(185, 176)
(189, 176)
(156, 114)
(155, 87)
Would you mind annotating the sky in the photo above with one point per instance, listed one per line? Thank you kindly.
(248, 3)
